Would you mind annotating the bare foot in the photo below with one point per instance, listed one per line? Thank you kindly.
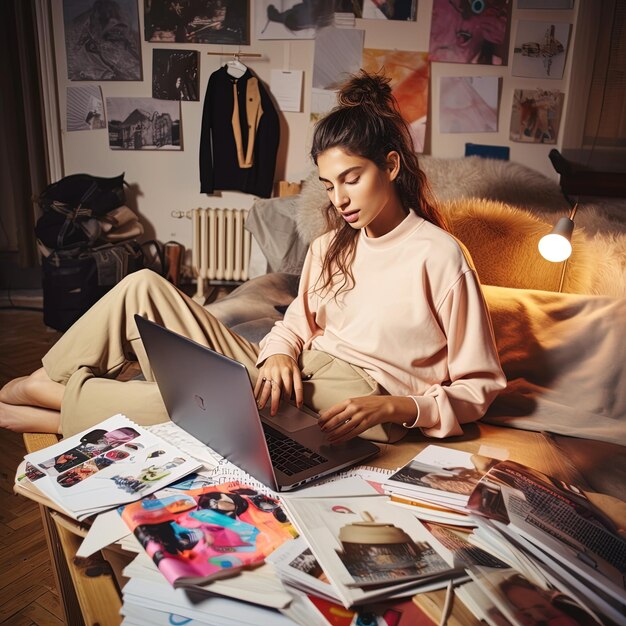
(34, 390)
(29, 419)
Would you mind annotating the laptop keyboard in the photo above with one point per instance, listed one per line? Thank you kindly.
(289, 456)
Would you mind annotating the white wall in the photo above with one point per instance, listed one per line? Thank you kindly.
(169, 181)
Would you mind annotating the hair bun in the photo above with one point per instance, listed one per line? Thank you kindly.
(366, 89)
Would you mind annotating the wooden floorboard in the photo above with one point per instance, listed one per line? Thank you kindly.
(28, 595)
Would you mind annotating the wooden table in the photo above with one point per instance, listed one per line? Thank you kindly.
(89, 589)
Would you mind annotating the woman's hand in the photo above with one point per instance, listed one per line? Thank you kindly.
(354, 416)
(278, 373)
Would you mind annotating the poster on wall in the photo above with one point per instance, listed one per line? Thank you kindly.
(102, 39)
(85, 109)
(540, 49)
(536, 115)
(401, 10)
(197, 21)
(175, 75)
(468, 104)
(338, 53)
(143, 124)
(470, 32)
(408, 73)
(295, 19)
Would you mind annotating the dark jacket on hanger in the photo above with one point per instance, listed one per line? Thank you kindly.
(240, 135)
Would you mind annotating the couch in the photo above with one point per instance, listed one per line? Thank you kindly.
(563, 353)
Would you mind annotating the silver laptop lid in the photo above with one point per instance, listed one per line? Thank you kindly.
(215, 404)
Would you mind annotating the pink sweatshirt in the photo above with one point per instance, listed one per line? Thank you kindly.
(415, 320)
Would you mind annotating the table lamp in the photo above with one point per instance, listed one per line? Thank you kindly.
(556, 246)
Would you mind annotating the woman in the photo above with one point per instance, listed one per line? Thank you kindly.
(389, 325)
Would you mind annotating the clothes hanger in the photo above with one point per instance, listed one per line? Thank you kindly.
(236, 68)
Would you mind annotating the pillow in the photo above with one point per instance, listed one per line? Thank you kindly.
(563, 356)
(273, 226)
(251, 309)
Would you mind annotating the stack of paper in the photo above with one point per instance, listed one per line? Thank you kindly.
(344, 20)
(156, 602)
(437, 482)
(113, 463)
(559, 539)
(368, 549)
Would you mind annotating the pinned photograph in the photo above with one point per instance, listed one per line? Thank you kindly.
(102, 39)
(470, 32)
(85, 108)
(536, 115)
(408, 72)
(143, 124)
(468, 104)
(400, 10)
(197, 21)
(297, 19)
(540, 49)
(175, 75)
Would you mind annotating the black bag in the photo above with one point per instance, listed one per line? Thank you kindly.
(73, 280)
(71, 205)
(90, 195)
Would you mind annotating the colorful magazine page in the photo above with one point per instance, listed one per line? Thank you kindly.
(369, 549)
(113, 463)
(198, 535)
(441, 475)
(398, 613)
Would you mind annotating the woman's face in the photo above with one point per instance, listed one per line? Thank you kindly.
(363, 194)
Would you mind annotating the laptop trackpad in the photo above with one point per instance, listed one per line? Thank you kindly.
(289, 417)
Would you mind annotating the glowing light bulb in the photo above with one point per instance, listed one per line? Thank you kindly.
(556, 246)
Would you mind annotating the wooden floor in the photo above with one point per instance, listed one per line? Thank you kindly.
(28, 593)
(27, 589)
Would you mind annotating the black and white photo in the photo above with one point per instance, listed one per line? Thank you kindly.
(85, 108)
(143, 124)
(175, 74)
(197, 21)
(102, 39)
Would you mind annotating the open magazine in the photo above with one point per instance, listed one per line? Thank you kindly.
(113, 463)
(198, 535)
(557, 524)
(368, 549)
(439, 475)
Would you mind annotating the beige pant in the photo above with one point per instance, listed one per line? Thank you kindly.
(93, 351)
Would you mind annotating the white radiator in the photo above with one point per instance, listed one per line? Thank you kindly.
(221, 246)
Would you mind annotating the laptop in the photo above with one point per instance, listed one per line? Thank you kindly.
(211, 397)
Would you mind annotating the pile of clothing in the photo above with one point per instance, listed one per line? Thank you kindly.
(87, 237)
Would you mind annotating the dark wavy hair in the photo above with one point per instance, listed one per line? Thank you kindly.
(367, 123)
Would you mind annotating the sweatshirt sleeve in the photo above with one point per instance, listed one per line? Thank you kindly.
(475, 375)
(299, 326)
